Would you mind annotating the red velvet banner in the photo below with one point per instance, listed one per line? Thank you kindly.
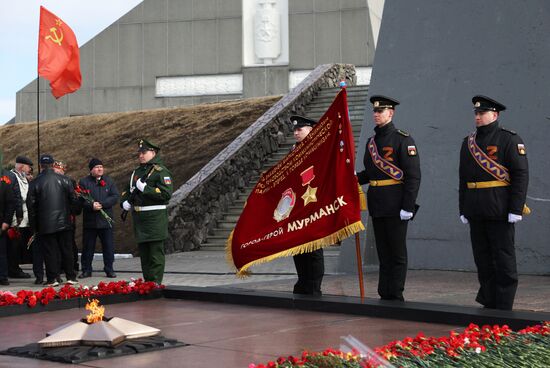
(307, 201)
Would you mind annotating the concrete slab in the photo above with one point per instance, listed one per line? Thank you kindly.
(232, 335)
(209, 268)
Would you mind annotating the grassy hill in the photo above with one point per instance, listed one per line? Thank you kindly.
(189, 137)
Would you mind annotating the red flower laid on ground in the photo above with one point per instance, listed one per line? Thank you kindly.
(31, 298)
(486, 346)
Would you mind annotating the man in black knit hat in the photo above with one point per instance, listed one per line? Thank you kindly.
(105, 194)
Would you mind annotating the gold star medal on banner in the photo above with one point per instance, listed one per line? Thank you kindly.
(307, 177)
(310, 195)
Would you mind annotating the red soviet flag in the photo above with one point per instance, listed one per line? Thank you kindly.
(58, 54)
(307, 201)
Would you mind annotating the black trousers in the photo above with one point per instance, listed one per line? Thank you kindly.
(58, 254)
(310, 268)
(89, 237)
(3, 256)
(495, 258)
(17, 251)
(14, 256)
(390, 234)
(38, 258)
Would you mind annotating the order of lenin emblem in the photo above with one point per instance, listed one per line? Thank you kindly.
(285, 205)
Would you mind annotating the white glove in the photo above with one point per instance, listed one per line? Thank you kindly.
(126, 205)
(405, 215)
(463, 219)
(140, 185)
(514, 218)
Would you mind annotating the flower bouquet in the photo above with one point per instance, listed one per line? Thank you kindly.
(13, 233)
(85, 194)
(486, 346)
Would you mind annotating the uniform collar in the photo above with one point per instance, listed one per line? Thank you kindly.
(154, 160)
(383, 130)
(486, 129)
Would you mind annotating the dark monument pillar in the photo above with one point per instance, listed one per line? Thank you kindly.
(434, 56)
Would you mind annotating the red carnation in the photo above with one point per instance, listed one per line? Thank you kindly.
(13, 233)
(102, 183)
(32, 301)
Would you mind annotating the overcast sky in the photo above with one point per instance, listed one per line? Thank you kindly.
(19, 42)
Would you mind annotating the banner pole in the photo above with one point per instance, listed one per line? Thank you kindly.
(359, 265)
(38, 121)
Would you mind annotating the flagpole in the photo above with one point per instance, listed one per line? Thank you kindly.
(359, 265)
(343, 85)
(38, 120)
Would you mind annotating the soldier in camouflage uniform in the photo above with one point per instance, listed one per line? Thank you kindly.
(146, 196)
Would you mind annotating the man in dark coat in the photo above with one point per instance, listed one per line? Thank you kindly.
(105, 195)
(49, 201)
(7, 209)
(147, 194)
(494, 176)
(76, 209)
(392, 170)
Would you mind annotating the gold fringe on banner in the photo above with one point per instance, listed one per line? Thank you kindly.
(362, 198)
(329, 240)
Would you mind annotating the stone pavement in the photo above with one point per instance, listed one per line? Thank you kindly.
(209, 268)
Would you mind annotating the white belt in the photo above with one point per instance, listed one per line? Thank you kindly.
(149, 208)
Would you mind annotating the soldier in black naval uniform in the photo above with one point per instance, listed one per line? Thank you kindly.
(493, 186)
(310, 267)
(392, 170)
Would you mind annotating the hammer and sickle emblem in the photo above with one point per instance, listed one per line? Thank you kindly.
(55, 38)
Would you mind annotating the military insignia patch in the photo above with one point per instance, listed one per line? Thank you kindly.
(521, 149)
(167, 180)
(285, 205)
(411, 150)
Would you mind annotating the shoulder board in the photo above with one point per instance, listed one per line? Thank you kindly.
(157, 167)
(403, 133)
(508, 130)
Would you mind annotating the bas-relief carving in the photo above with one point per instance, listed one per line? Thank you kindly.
(267, 31)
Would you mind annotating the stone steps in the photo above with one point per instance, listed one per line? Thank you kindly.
(357, 97)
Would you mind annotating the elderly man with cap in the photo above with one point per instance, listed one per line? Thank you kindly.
(17, 246)
(60, 167)
(494, 176)
(310, 267)
(392, 170)
(49, 201)
(146, 196)
(7, 209)
(105, 194)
